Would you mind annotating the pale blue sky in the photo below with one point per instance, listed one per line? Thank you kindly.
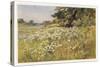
(36, 13)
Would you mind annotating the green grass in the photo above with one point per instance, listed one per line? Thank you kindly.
(53, 43)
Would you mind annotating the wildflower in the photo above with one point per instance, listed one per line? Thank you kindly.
(68, 40)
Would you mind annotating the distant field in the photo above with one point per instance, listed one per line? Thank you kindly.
(55, 43)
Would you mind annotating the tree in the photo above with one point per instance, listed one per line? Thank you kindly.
(20, 20)
(67, 16)
(31, 22)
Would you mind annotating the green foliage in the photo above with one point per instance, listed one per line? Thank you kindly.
(21, 20)
(67, 16)
(31, 22)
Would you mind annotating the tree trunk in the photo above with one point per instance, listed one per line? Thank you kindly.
(72, 18)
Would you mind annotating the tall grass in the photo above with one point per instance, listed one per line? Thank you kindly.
(55, 43)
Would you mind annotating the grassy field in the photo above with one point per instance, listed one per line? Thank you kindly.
(53, 43)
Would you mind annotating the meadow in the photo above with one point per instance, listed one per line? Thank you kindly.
(53, 43)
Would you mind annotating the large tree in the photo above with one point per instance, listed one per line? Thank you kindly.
(67, 16)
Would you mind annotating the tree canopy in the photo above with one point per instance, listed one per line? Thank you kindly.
(70, 17)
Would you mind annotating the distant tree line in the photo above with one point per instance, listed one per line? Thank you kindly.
(30, 22)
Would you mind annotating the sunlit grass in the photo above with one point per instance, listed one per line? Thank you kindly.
(55, 43)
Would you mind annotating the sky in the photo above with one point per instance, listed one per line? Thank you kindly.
(36, 13)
